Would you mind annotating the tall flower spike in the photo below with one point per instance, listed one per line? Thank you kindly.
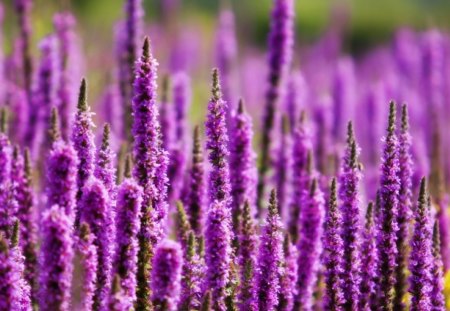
(388, 226)
(55, 260)
(83, 142)
(25, 214)
(129, 53)
(242, 163)
(283, 164)
(420, 260)
(217, 144)
(368, 262)
(118, 301)
(96, 212)
(183, 227)
(191, 277)
(195, 198)
(332, 257)
(87, 253)
(247, 260)
(166, 276)
(302, 173)
(128, 211)
(404, 209)
(349, 179)
(218, 252)
(281, 40)
(288, 280)
(5, 178)
(309, 246)
(437, 286)
(61, 180)
(104, 166)
(9, 290)
(267, 284)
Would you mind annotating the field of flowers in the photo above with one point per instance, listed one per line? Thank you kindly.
(217, 174)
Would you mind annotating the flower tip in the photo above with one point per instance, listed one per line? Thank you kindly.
(405, 118)
(285, 124)
(241, 107)
(82, 98)
(15, 234)
(391, 123)
(350, 133)
(3, 120)
(54, 132)
(423, 190)
(146, 48)
(115, 288)
(128, 166)
(273, 202)
(106, 136)
(216, 84)
(313, 188)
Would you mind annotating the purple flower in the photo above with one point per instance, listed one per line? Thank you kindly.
(10, 293)
(218, 252)
(404, 208)
(267, 283)
(217, 144)
(61, 181)
(104, 166)
(421, 257)
(309, 246)
(242, 163)
(349, 179)
(332, 257)
(166, 275)
(87, 253)
(55, 260)
(281, 41)
(289, 276)
(248, 244)
(97, 213)
(128, 209)
(302, 173)
(192, 275)
(388, 226)
(437, 278)
(195, 197)
(83, 141)
(368, 262)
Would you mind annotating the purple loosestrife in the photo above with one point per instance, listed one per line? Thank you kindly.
(247, 260)
(283, 163)
(368, 262)
(388, 226)
(421, 257)
(118, 301)
(217, 144)
(349, 179)
(195, 197)
(87, 253)
(226, 54)
(23, 9)
(181, 102)
(218, 252)
(5, 177)
(44, 99)
(242, 163)
(128, 210)
(83, 141)
(166, 276)
(192, 274)
(309, 246)
(132, 29)
(62, 161)
(332, 257)
(64, 24)
(288, 278)
(267, 282)
(55, 260)
(437, 278)
(104, 166)
(404, 209)
(97, 213)
(281, 41)
(24, 196)
(302, 173)
(10, 293)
